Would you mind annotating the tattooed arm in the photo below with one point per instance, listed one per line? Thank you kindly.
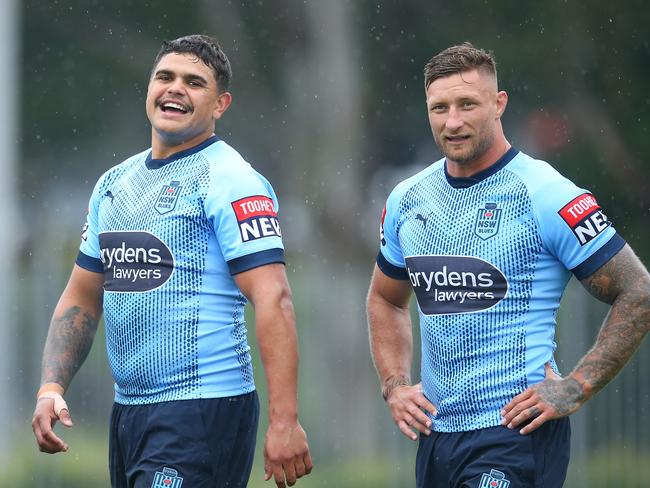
(624, 283)
(69, 339)
(391, 344)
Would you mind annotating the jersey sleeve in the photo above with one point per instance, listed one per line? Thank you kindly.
(575, 229)
(390, 258)
(89, 256)
(243, 209)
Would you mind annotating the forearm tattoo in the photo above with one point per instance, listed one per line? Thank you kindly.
(393, 382)
(625, 284)
(68, 343)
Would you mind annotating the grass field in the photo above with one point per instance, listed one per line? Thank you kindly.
(85, 466)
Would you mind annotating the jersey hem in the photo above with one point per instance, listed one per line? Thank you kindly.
(390, 269)
(89, 263)
(170, 397)
(255, 260)
(598, 259)
(450, 426)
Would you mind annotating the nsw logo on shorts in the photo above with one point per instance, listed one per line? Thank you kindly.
(585, 218)
(167, 478)
(496, 479)
(256, 217)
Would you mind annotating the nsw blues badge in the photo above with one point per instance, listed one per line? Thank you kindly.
(167, 478)
(496, 479)
(488, 220)
(166, 201)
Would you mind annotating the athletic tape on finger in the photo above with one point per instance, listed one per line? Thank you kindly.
(59, 402)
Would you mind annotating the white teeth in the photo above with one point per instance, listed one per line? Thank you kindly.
(174, 105)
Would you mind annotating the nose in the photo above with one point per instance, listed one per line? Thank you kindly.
(176, 86)
(454, 120)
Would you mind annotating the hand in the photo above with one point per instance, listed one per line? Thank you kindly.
(286, 453)
(408, 405)
(553, 398)
(45, 416)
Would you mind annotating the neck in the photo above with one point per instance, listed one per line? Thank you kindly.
(163, 147)
(488, 158)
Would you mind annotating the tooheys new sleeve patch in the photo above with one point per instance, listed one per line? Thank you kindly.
(585, 217)
(256, 217)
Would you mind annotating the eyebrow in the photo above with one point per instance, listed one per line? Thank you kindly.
(461, 99)
(188, 77)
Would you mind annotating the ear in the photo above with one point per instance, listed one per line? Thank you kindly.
(223, 102)
(502, 101)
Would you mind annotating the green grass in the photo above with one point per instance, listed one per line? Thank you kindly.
(86, 466)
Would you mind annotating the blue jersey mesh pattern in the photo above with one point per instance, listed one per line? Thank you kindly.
(152, 337)
(239, 339)
(185, 337)
(473, 363)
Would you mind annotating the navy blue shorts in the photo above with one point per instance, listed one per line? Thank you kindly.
(496, 457)
(194, 443)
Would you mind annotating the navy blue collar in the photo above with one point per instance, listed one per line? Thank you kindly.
(159, 163)
(467, 181)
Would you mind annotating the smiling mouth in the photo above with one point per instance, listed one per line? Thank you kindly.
(173, 107)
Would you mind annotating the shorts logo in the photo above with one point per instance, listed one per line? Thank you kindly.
(585, 218)
(455, 284)
(134, 261)
(167, 198)
(167, 478)
(496, 479)
(256, 217)
(487, 221)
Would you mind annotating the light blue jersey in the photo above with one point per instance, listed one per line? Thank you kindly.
(488, 258)
(169, 235)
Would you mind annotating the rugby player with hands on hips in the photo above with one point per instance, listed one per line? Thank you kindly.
(487, 239)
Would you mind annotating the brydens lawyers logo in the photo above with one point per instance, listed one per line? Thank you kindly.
(167, 478)
(487, 221)
(455, 284)
(167, 198)
(256, 217)
(134, 261)
(585, 218)
(496, 479)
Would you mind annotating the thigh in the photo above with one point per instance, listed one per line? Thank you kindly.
(115, 455)
(232, 427)
(552, 446)
(488, 458)
(191, 443)
(495, 457)
(503, 458)
(431, 461)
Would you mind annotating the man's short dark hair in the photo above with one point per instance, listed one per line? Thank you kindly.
(458, 59)
(207, 50)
